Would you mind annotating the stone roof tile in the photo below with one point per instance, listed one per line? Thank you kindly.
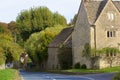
(61, 38)
(117, 4)
(94, 8)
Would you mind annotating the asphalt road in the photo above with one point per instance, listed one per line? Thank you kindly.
(51, 76)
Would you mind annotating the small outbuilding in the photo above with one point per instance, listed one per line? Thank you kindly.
(62, 40)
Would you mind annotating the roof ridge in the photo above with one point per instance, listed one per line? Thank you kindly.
(93, 9)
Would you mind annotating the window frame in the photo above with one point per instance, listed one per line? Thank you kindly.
(110, 16)
(111, 33)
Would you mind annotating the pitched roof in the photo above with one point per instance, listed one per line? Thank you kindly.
(94, 8)
(68, 43)
(117, 4)
(62, 38)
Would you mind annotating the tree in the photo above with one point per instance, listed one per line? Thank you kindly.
(36, 45)
(13, 28)
(4, 28)
(37, 19)
(58, 19)
(2, 57)
(9, 49)
(73, 21)
(1, 30)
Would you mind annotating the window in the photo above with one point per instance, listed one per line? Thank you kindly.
(111, 33)
(110, 16)
(111, 54)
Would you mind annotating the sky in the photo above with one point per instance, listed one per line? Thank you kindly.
(9, 9)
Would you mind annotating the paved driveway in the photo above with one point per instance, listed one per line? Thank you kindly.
(50, 76)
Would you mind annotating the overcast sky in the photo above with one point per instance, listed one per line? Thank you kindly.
(9, 9)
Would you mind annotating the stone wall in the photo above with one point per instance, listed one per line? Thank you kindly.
(104, 24)
(109, 61)
(52, 62)
(104, 61)
(81, 36)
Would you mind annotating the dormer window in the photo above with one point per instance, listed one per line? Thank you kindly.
(110, 16)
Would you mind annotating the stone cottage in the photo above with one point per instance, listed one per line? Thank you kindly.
(63, 39)
(98, 24)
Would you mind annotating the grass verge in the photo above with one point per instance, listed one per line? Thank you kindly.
(9, 74)
(86, 71)
(105, 70)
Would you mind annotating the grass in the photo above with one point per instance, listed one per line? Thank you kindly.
(85, 71)
(9, 74)
(105, 70)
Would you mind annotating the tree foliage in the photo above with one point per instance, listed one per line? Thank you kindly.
(73, 21)
(9, 50)
(13, 27)
(36, 45)
(37, 19)
(2, 58)
(4, 28)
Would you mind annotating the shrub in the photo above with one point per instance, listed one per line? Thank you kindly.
(83, 66)
(77, 66)
(117, 76)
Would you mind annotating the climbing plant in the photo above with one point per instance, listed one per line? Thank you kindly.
(110, 54)
(87, 50)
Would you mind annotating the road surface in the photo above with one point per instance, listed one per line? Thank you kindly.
(51, 76)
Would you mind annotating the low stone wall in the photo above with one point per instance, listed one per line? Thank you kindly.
(109, 61)
(103, 62)
(2, 66)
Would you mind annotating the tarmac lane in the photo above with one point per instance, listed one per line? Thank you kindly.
(51, 76)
